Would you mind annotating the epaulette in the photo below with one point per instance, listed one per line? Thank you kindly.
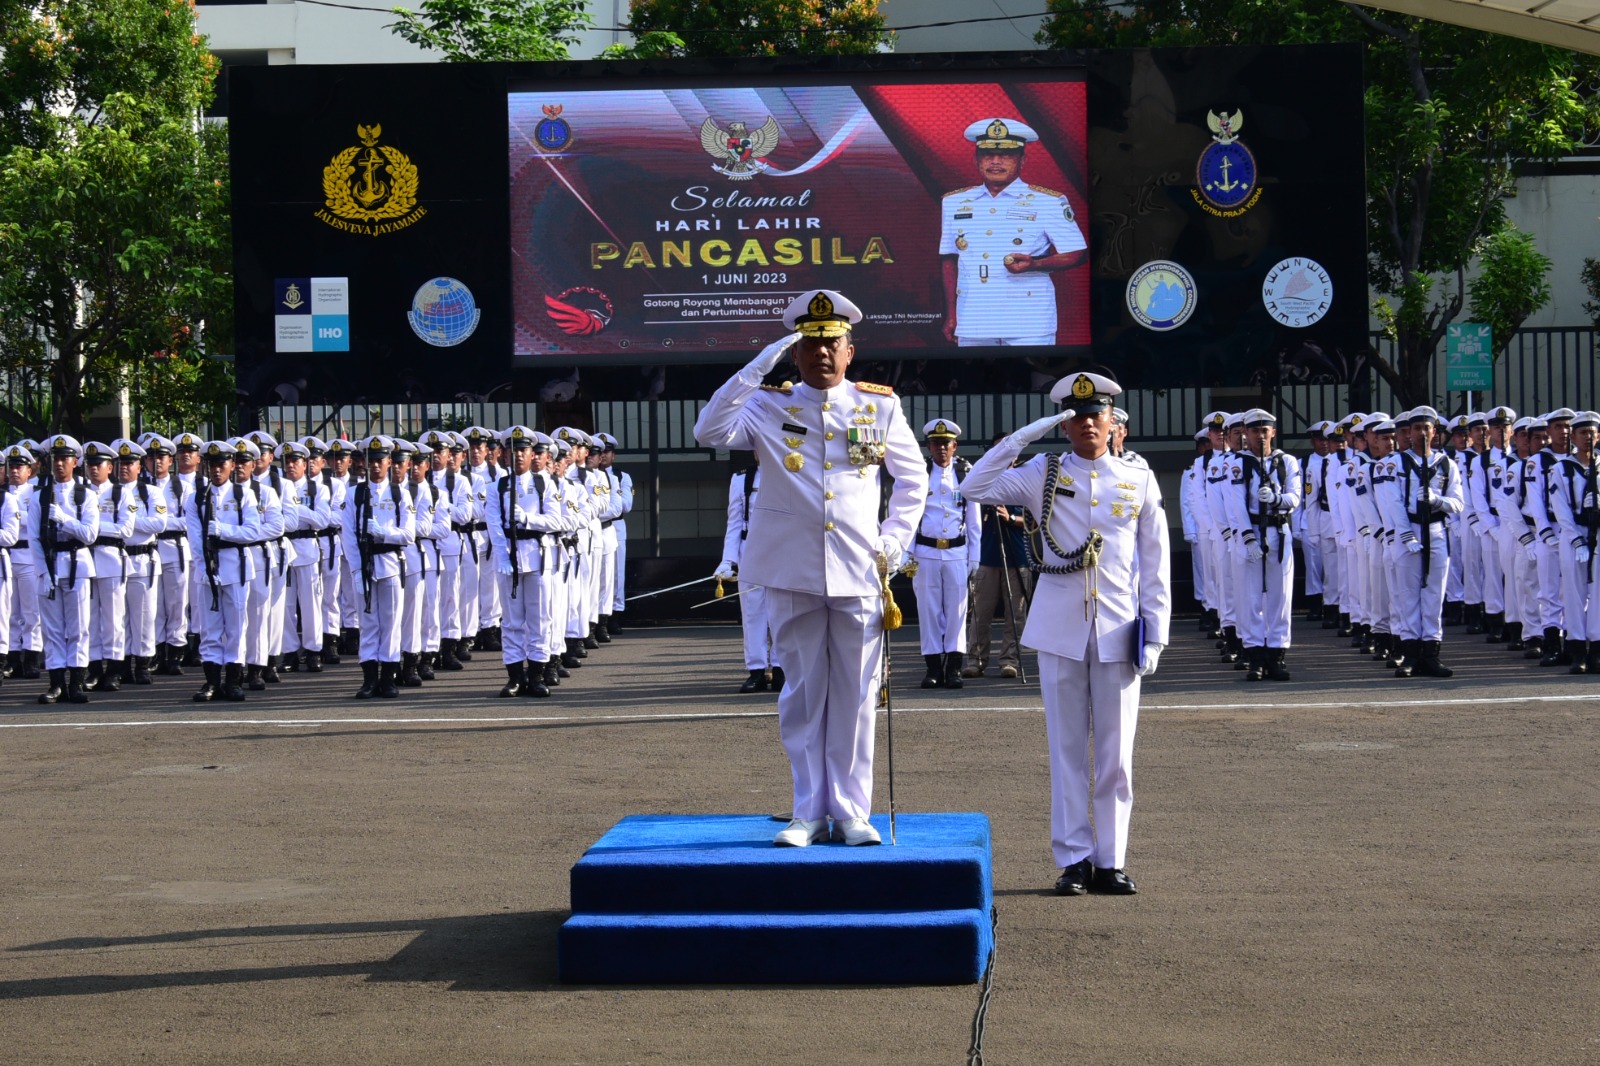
(964, 188)
(786, 388)
(1046, 191)
(874, 387)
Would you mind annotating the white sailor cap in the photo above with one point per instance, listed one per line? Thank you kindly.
(95, 451)
(436, 438)
(1537, 422)
(376, 445)
(245, 448)
(941, 429)
(294, 450)
(126, 450)
(404, 448)
(1380, 425)
(217, 451)
(1215, 420)
(61, 445)
(1586, 418)
(572, 437)
(1403, 418)
(313, 445)
(562, 448)
(1234, 421)
(1458, 424)
(338, 448)
(518, 437)
(1319, 429)
(262, 439)
(458, 440)
(18, 454)
(1476, 418)
(423, 448)
(1561, 414)
(1522, 424)
(1119, 416)
(990, 133)
(156, 444)
(188, 442)
(1502, 416)
(30, 444)
(821, 313)
(543, 442)
(479, 435)
(1423, 414)
(1202, 434)
(1084, 393)
(1259, 418)
(606, 442)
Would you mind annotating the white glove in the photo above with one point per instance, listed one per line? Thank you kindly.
(1581, 553)
(724, 571)
(1147, 660)
(770, 356)
(1266, 495)
(1533, 552)
(519, 514)
(890, 549)
(1253, 552)
(1429, 496)
(1192, 538)
(1040, 427)
(57, 514)
(211, 529)
(972, 569)
(1414, 547)
(1588, 501)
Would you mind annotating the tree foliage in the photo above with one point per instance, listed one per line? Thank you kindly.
(1451, 113)
(481, 31)
(115, 255)
(766, 27)
(1512, 283)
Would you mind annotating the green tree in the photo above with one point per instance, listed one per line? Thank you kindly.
(481, 31)
(1451, 114)
(1512, 284)
(765, 27)
(115, 254)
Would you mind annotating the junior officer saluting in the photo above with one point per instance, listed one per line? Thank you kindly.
(815, 543)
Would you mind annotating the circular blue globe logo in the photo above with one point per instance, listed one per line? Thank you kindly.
(443, 312)
(1161, 295)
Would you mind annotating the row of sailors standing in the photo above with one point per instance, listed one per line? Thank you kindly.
(159, 554)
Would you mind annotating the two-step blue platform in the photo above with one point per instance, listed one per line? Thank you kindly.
(707, 899)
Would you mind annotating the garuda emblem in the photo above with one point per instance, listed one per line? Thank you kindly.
(737, 149)
(370, 181)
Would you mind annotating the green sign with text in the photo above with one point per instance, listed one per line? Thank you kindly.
(1469, 358)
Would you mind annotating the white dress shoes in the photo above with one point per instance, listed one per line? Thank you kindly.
(799, 832)
(856, 831)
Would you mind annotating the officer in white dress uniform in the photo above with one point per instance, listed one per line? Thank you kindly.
(1001, 241)
(816, 544)
(743, 490)
(152, 517)
(622, 489)
(1100, 615)
(947, 547)
(27, 637)
(307, 512)
(224, 528)
(1261, 506)
(63, 520)
(377, 526)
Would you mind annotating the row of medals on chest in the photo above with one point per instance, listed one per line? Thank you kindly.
(867, 443)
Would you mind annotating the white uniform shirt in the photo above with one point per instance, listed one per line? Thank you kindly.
(981, 229)
(946, 515)
(237, 513)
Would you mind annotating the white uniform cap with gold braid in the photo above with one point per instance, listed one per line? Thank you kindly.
(123, 448)
(991, 133)
(95, 451)
(62, 445)
(518, 437)
(941, 429)
(1085, 393)
(821, 313)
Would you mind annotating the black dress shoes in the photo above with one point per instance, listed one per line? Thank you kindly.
(1074, 880)
(1112, 883)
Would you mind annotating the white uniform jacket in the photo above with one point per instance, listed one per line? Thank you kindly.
(238, 516)
(981, 229)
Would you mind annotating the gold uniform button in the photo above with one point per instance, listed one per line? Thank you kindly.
(829, 434)
(826, 406)
(827, 495)
(1094, 503)
(827, 464)
(828, 527)
(1094, 473)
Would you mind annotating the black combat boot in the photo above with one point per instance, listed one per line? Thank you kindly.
(570, 658)
(233, 683)
(1241, 656)
(592, 641)
(1428, 664)
(953, 662)
(1314, 607)
(163, 657)
(77, 684)
(1345, 628)
(1277, 668)
(777, 678)
(141, 670)
(1397, 653)
(447, 655)
(313, 662)
(96, 672)
(1514, 641)
(464, 649)
(1454, 610)
(1230, 644)
(290, 662)
(212, 682)
(330, 649)
(408, 670)
(1408, 661)
(1257, 660)
(613, 626)
(58, 687)
(1593, 662)
(32, 664)
(425, 665)
(389, 681)
(269, 671)
(1474, 618)
(1579, 650)
(934, 678)
(1554, 647)
(191, 650)
(13, 662)
(532, 686)
(756, 682)
(515, 675)
(1330, 616)
(579, 648)
(349, 641)
(369, 680)
(601, 633)
(1494, 627)
(561, 667)
(252, 678)
(552, 679)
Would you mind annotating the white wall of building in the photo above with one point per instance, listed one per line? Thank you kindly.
(1563, 214)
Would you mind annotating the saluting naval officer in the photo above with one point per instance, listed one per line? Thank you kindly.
(1001, 241)
(1099, 619)
(816, 545)
(946, 548)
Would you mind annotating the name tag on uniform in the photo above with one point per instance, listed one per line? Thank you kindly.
(963, 214)
(790, 428)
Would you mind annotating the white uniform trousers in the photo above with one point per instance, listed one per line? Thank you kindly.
(198, 587)
(144, 580)
(430, 600)
(1360, 552)
(1514, 564)
(412, 596)
(578, 597)
(591, 602)
(560, 592)
(449, 597)
(26, 632)
(1311, 554)
(940, 586)
(303, 608)
(1471, 563)
(1265, 593)
(1393, 591)
(1222, 551)
(1547, 578)
(524, 618)
(8, 595)
(1580, 595)
(606, 581)
(488, 594)
(1494, 579)
(1091, 710)
(1197, 571)
(108, 631)
(757, 634)
(64, 616)
(351, 599)
(277, 599)
(1210, 550)
(620, 570)
(222, 627)
(258, 598)
(548, 644)
(1418, 601)
(470, 563)
(830, 649)
(380, 626)
(331, 575)
(1332, 570)
(1455, 579)
(172, 601)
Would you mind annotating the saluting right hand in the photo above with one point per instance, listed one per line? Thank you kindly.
(1036, 429)
(771, 355)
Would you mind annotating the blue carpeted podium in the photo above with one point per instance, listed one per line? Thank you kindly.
(707, 899)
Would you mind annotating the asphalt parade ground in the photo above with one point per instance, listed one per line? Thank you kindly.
(1346, 867)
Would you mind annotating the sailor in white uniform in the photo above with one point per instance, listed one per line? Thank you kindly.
(946, 548)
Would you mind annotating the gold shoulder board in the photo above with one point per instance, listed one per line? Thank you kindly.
(1047, 191)
(873, 387)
